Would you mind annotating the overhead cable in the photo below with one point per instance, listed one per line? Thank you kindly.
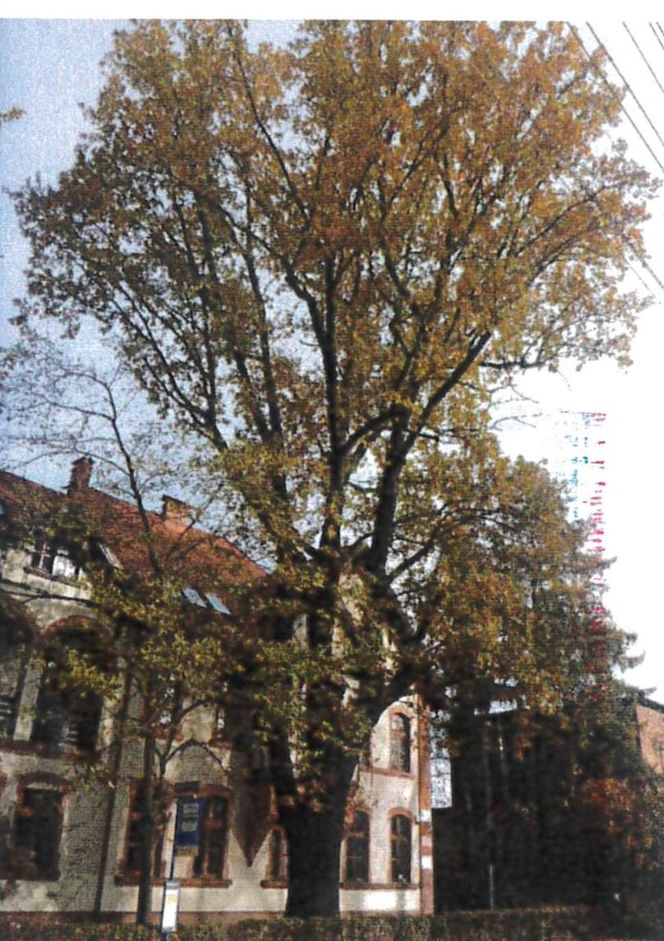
(637, 275)
(656, 35)
(643, 56)
(627, 86)
(641, 257)
(617, 98)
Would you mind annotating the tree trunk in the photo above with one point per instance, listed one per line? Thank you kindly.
(144, 904)
(314, 844)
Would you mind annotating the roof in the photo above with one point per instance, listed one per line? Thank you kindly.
(195, 557)
(649, 703)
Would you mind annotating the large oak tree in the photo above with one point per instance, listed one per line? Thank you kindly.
(320, 261)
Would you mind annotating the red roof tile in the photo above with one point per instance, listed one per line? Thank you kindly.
(193, 556)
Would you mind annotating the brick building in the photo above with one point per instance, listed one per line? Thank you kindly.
(68, 845)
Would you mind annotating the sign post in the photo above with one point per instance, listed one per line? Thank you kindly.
(188, 818)
(169, 907)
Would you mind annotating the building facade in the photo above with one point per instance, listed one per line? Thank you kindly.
(70, 792)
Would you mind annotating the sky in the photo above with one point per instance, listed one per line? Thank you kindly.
(49, 67)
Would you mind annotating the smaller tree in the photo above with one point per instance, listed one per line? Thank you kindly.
(160, 653)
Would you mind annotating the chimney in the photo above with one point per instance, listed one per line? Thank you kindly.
(175, 512)
(79, 480)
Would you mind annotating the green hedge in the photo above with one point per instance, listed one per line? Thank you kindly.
(552, 924)
(15, 930)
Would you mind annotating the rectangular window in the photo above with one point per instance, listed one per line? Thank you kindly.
(400, 848)
(8, 710)
(136, 834)
(14, 653)
(171, 708)
(219, 730)
(357, 849)
(365, 756)
(43, 556)
(66, 719)
(211, 856)
(37, 829)
(63, 716)
(50, 560)
(277, 869)
(399, 742)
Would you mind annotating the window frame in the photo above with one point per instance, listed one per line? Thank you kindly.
(396, 842)
(401, 741)
(220, 735)
(209, 825)
(365, 758)
(50, 560)
(24, 869)
(129, 872)
(18, 652)
(358, 836)
(64, 710)
(276, 877)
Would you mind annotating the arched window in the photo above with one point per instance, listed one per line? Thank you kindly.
(64, 714)
(400, 848)
(14, 652)
(399, 742)
(357, 848)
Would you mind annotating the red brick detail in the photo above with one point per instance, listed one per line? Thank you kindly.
(426, 833)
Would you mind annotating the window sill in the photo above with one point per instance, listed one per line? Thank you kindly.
(204, 882)
(370, 886)
(43, 750)
(274, 884)
(25, 875)
(388, 772)
(49, 576)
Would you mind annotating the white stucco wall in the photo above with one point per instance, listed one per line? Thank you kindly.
(381, 793)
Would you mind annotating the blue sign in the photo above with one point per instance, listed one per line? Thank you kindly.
(188, 822)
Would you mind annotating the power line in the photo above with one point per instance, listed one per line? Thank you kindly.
(656, 36)
(646, 264)
(637, 275)
(643, 56)
(613, 93)
(638, 255)
(630, 90)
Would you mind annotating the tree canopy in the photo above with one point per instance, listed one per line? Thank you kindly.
(320, 262)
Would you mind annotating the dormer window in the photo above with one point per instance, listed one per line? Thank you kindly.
(51, 560)
(191, 595)
(203, 599)
(43, 557)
